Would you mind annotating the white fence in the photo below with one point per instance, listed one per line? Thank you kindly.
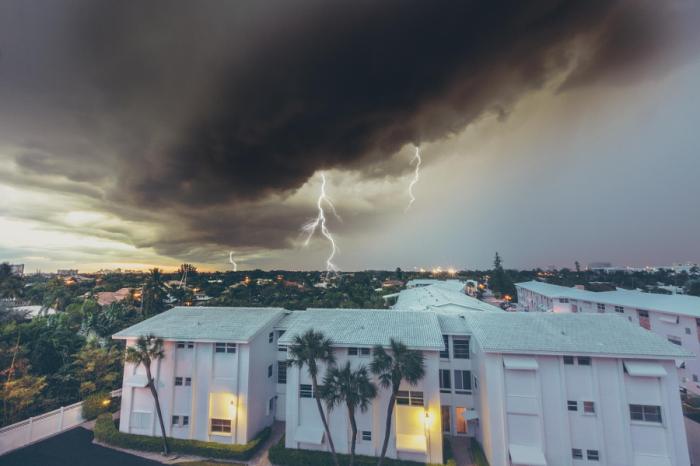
(40, 427)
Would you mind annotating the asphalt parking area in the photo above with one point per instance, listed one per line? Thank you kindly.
(72, 448)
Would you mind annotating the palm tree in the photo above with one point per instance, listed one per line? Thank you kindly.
(352, 387)
(154, 292)
(307, 349)
(147, 349)
(402, 364)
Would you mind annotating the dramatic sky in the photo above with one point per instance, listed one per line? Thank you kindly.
(137, 133)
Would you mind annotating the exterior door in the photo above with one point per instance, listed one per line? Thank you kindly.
(446, 425)
(574, 308)
(461, 423)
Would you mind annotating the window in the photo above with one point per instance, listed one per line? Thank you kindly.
(564, 300)
(269, 371)
(225, 347)
(601, 307)
(282, 348)
(365, 352)
(282, 372)
(619, 309)
(188, 381)
(271, 337)
(675, 340)
(463, 385)
(352, 351)
(475, 385)
(589, 407)
(271, 405)
(445, 354)
(178, 381)
(461, 422)
(445, 381)
(572, 405)
(695, 378)
(221, 425)
(181, 421)
(406, 397)
(185, 421)
(569, 360)
(176, 420)
(460, 348)
(641, 313)
(584, 361)
(592, 455)
(645, 413)
(306, 391)
(687, 330)
(366, 435)
(180, 344)
(187, 344)
(577, 453)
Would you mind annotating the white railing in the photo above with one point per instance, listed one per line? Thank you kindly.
(40, 427)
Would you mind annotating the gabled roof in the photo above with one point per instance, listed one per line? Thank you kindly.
(367, 327)
(672, 304)
(552, 333)
(234, 324)
(436, 295)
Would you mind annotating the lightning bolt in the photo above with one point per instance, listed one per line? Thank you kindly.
(320, 221)
(230, 258)
(415, 178)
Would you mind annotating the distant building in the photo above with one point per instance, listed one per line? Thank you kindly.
(17, 269)
(67, 272)
(105, 298)
(599, 265)
(675, 318)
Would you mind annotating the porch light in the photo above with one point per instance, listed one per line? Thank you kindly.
(427, 419)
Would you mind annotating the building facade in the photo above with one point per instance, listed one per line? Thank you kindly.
(675, 318)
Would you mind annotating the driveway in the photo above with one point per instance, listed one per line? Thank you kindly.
(72, 448)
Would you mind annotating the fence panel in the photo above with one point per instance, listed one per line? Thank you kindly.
(38, 428)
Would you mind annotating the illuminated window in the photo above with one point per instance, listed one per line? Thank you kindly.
(221, 425)
(589, 407)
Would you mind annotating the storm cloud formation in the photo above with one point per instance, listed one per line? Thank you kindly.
(204, 110)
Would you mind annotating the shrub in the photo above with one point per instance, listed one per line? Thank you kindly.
(105, 431)
(94, 405)
(478, 452)
(279, 455)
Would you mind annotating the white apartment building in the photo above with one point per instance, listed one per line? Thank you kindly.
(534, 389)
(217, 380)
(673, 317)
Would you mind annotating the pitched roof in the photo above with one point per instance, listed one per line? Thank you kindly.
(366, 327)
(437, 295)
(235, 324)
(672, 304)
(603, 334)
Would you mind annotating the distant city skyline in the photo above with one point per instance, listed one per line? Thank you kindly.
(549, 132)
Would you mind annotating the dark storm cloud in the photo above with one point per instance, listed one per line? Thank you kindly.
(186, 106)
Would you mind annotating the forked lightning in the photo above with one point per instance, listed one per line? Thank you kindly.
(320, 220)
(415, 178)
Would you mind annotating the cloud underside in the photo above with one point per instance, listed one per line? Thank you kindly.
(207, 117)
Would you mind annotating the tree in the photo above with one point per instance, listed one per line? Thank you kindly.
(497, 262)
(149, 348)
(399, 274)
(578, 267)
(154, 293)
(97, 368)
(307, 350)
(402, 364)
(352, 387)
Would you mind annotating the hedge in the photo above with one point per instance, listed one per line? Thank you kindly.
(105, 431)
(279, 455)
(94, 405)
(478, 452)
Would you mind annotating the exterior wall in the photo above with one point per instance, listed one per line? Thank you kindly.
(687, 328)
(529, 407)
(407, 419)
(230, 386)
(452, 399)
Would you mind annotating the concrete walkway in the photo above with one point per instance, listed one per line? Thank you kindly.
(462, 451)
